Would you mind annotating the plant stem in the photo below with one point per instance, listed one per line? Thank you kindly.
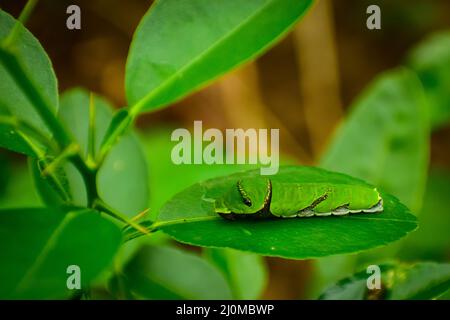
(90, 179)
(41, 156)
(91, 130)
(23, 17)
(62, 138)
(19, 125)
(70, 151)
(153, 227)
(102, 206)
(117, 132)
(44, 109)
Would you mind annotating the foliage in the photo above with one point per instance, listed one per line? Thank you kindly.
(393, 152)
(169, 273)
(431, 60)
(425, 280)
(181, 45)
(46, 242)
(95, 184)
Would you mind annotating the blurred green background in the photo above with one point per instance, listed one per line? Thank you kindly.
(334, 88)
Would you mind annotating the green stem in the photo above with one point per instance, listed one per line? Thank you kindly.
(41, 156)
(117, 132)
(153, 227)
(70, 151)
(102, 206)
(91, 130)
(44, 108)
(90, 179)
(23, 18)
(25, 128)
(63, 139)
(158, 224)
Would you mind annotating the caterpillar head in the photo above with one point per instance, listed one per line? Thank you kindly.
(246, 196)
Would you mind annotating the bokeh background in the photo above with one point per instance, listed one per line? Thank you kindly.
(304, 86)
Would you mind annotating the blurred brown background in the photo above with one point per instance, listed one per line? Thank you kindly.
(302, 86)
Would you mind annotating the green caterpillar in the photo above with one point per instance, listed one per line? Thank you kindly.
(258, 197)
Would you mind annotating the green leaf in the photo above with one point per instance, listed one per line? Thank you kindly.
(180, 46)
(119, 124)
(74, 114)
(385, 139)
(168, 273)
(246, 273)
(353, 288)
(424, 280)
(5, 173)
(20, 191)
(431, 60)
(122, 179)
(38, 244)
(33, 58)
(190, 218)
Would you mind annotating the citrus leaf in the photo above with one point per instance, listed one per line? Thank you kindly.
(38, 245)
(64, 186)
(180, 45)
(393, 151)
(122, 179)
(10, 139)
(190, 218)
(36, 63)
(246, 272)
(423, 280)
(431, 60)
(158, 272)
(19, 192)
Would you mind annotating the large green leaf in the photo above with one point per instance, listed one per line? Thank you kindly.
(190, 218)
(74, 114)
(9, 138)
(384, 140)
(37, 65)
(19, 191)
(180, 45)
(431, 60)
(168, 273)
(246, 272)
(37, 246)
(122, 180)
(425, 280)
